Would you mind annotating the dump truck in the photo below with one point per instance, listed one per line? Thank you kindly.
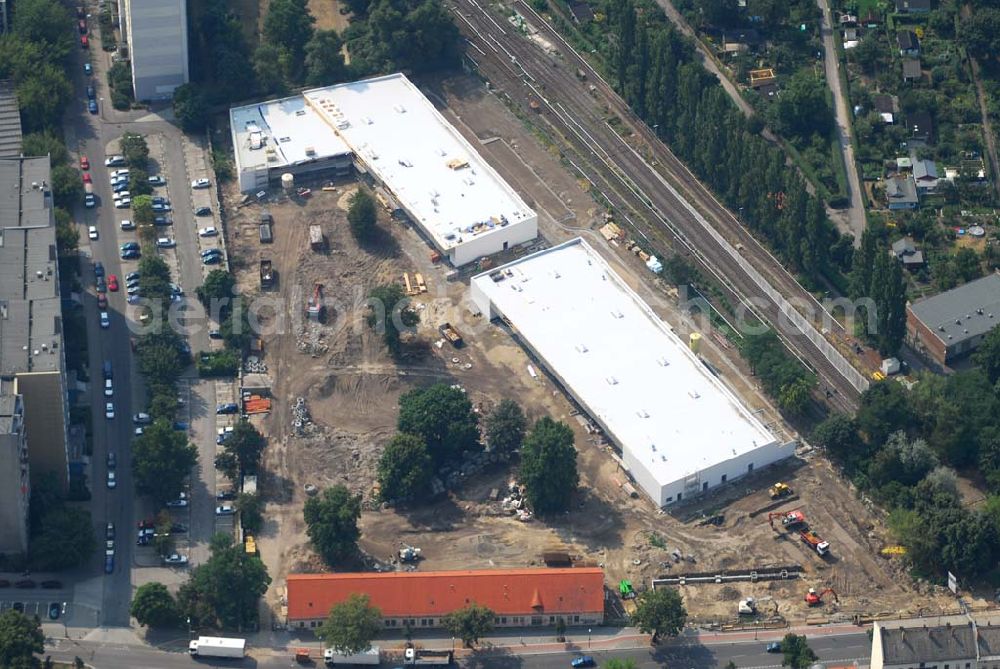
(302, 656)
(332, 658)
(418, 657)
(451, 334)
(316, 241)
(814, 541)
(217, 646)
(266, 233)
(266, 274)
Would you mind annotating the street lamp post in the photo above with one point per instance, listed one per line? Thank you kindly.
(588, 638)
(452, 644)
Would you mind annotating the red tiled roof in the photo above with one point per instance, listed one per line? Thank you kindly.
(437, 593)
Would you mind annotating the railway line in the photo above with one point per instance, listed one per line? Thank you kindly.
(662, 201)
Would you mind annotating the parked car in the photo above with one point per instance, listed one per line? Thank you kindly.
(201, 183)
(175, 289)
(162, 220)
(109, 547)
(211, 260)
(165, 243)
(203, 211)
(98, 269)
(139, 431)
(211, 252)
(156, 180)
(92, 106)
(91, 93)
(109, 564)
(54, 610)
(773, 647)
(114, 161)
(123, 203)
(182, 426)
(119, 187)
(130, 246)
(123, 194)
(112, 483)
(25, 584)
(109, 531)
(178, 528)
(131, 254)
(109, 410)
(87, 69)
(109, 390)
(84, 42)
(92, 232)
(89, 201)
(87, 179)
(113, 283)
(229, 407)
(102, 301)
(120, 173)
(225, 510)
(160, 207)
(84, 163)
(582, 661)
(127, 225)
(226, 495)
(177, 503)
(176, 558)
(50, 585)
(131, 276)
(105, 320)
(142, 419)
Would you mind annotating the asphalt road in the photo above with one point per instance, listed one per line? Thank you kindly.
(104, 600)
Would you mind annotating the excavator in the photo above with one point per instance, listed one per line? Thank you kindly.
(814, 598)
(789, 519)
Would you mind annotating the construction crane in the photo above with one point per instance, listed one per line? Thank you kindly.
(779, 490)
(789, 519)
(814, 598)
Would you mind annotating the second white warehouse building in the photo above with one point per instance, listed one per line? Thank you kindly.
(681, 432)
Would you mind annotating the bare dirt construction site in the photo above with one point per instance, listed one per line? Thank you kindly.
(350, 387)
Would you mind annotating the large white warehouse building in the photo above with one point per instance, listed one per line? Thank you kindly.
(680, 430)
(388, 129)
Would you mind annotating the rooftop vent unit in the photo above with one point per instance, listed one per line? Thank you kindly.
(642, 413)
(617, 314)
(582, 348)
(612, 381)
(400, 109)
(300, 112)
(694, 394)
(285, 139)
(256, 140)
(310, 151)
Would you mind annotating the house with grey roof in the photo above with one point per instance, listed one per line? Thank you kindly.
(909, 44)
(952, 324)
(912, 70)
(967, 645)
(925, 174)
(913, 6)
(905, 250)
(901, 192)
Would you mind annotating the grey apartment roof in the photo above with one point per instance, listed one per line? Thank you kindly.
(962, 313)
(10, 122)
(30, 310)
(927, 645)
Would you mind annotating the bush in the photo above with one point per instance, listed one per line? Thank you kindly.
(218, 364)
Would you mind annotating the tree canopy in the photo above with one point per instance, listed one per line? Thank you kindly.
(154, 606)
(660, 612)
(443, 417)
(505, 427)
(20, 638)
(135, 150)
(470, 623)
(405, 469)
(548, 466)
(797, 653)
(324, 59)
(390, 312)
(242, 451)
(351, 625)
(332, 523)
(65, 539)
(162, 458)
(225, 590)
(190, 107)
(362, 215)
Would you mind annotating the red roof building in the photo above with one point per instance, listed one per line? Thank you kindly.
(518, 597)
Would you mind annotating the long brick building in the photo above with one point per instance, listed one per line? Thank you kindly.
(518, 597)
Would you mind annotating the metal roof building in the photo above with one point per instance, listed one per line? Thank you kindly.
(680, 430)
(953, 323)
(391, 131)
(966, 644)
(10, 120)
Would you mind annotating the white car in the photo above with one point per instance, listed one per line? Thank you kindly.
(177, 503)
(127, 225)
(123, 195)
(119, 173)
(225, 510)
(139, 431)
(109, 410)
(111, 480)
(175, 558)
(123, 203)
(105, 320)
(201, 183)
(92, 232)
(109, 389)
(109, 547)
(114, 161)
(156, 180)
(165, 243)
(210, 231)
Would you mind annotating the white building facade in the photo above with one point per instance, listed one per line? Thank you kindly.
(156, 32)
(680, 430)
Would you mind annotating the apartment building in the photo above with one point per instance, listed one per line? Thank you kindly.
(156, 34)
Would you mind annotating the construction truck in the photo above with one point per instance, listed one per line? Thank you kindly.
(316, 240)
(814, 541)
(215, 646)
(266, 274)
(409, 554)
(418, 657)
(451, 334)
(789, 519)
(747, 607)
(369, 657)
(302, 656)
(626, 590)
(314, 307)
(814, 598)
(779, 490)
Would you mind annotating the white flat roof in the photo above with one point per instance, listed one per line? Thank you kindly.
(622, 362)
(289, 126)
(437, 177)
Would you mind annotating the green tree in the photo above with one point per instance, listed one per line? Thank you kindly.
(797, 653)
(245, 446)
(163, 538)
(470, 623)
(67, 239)
(622, 663)
(351, 625)
(289, 24)
(251, 508)
(980, 32)
(159, 356)
(443, 417)
(389, 312)
(324, 59)
(43, 96)
(362, 216)
(660, 612)
(218, 285)
(135, 149)
(885, 408)
(332, 523)
(47, 24)
(142, 210)
(225, 591)
(154, 606)
(505, 427)
(162, 458)
(794, 397)
(548, 466)
(272, 65)
(66, 539)
(405, 469)
(45, 143)
(138, 182)
(20, 638)
(190, 107)
(889, 293)
(67, 188)
(802, 107)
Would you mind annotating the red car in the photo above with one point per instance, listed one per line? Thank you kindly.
(102, 301)
(86, 178)
(84, 163)
(84, 42)
(112, 283)
(149, 523)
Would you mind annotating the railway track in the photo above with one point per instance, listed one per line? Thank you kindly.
(663, 201)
